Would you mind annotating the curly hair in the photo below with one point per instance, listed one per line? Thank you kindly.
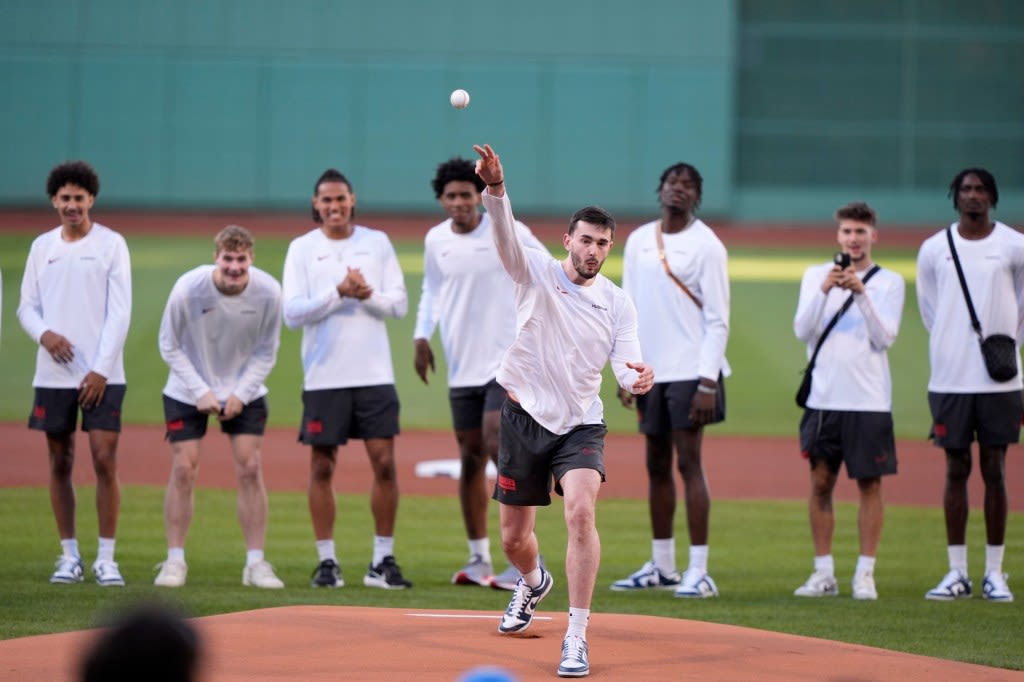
(859, 211)
(75, 173)
(456, 169)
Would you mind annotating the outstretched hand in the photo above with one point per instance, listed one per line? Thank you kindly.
(644, 381)
(489, 166)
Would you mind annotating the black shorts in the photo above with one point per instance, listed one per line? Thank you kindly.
(864, 440)
(332, 416)
(666, 407)
(185, 422)
(958, 419)
(530, 455)
(55, 410)
(469, 404)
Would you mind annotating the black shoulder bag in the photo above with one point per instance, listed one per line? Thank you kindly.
(805, 384)
(998, 350)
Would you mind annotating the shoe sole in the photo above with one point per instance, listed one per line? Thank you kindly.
(339, 583)
(381, 584)
(463, 579)
(631, 588)
(110, 583)
(944, 597)
(246, 583)
(65, 581)
(573, 673)
(814, 595)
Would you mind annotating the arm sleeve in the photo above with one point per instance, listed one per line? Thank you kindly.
(882, 311)
(810, 308)
(925, 285)
(264, 354)
(119, 311)
(172, 328)
(510, 250)
(715, 285)
(301, 306)
(390, 299)
(627, 346)
(30, 307)
(426, 312)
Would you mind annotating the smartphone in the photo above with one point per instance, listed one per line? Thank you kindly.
(841, 259)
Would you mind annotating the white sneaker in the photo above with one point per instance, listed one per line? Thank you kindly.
(648, 577)
(261, 574)
(864, 586)
(575, 661)
(172, 573)
(68, 570)
(820, 584)
(955, 585)
(697, 585)
(994, 587)
(107, 574)
(475, 572)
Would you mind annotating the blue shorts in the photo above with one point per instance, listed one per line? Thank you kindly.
(330, 417)
(530, 455)
(55, 410)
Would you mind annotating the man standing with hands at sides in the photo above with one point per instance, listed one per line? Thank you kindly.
(848, 417)
(341, 281)
(573, 322)
(467, 292)
(76, 299)
(966, 403)
(675, 270)
(219, 335)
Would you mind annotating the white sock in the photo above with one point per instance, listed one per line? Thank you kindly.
(69, 548)
(480, 547)
(957, 558)
(825, 564)
(994, 559)
(578, 622)
(176, 554)
(253, 556)
(663, 552)
(106, 550)
(535, 577)
(382, 547)
(699, 558)
(865, 564)
(325, 550)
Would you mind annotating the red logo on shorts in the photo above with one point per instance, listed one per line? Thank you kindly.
(176, 425)
(506, 483)
(588, 451)
(39, 412)
(314, 426)
(806, 454)
(940, 430)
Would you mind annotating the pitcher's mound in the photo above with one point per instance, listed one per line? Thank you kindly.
(360, 643)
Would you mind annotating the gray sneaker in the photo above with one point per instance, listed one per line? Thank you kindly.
(475, 572)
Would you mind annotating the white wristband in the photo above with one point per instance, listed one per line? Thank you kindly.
(711, 390)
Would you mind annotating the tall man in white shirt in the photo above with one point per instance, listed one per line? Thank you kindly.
(676, 271)
(76, 299)
(467, 293)
(848, 417)
(966, 403)
(341, 281)
(573, 321)
(219, 336)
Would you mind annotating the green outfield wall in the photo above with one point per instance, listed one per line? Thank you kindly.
(787, 107)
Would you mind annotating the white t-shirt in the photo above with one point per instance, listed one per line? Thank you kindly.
(81, 290)
(468, 292)
(994, 270)
(852, 369)
(344, 340)
(568, 333)
(681, 342)
(219, 343)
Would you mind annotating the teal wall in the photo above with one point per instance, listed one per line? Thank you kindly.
(788, 107)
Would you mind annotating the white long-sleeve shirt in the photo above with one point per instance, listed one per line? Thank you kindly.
(467, 292)
(681, 342)
(994, 270)
(568, 333)
(224, 344)
(82, 290)
(852, 369)
(344, 340)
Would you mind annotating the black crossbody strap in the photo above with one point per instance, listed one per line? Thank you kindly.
(835, 318)
(963, 283)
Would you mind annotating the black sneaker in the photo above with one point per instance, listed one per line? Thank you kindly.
(327, 574)
(386, 575)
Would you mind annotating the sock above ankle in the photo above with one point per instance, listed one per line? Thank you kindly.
(253, 556)
(176, 554)
(825, 564)
(699, 558)
(382, 546)
(994, 558)
(69, 548)
(578, 619)
(663, 553)
(106, 550)
(957, 558)
(865, 564)
(325, 550)
(481, 547)
(534, 578)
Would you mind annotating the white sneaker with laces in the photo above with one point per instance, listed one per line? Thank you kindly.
(864, 586)
(261, 574)
(107, 574)
(67, 570)
(994, 587)
(820, 584)
(955, 585)
(575, 661)
(648, 577)
(697, 585)
(172, 573)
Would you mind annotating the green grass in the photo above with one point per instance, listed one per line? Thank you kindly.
(765, 356)
(760, 552)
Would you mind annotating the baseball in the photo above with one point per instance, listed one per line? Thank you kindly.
(459, 99)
